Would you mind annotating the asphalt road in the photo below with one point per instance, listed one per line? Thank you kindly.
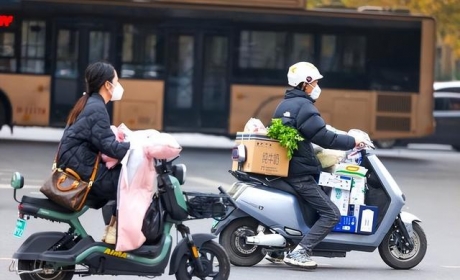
(429, 178)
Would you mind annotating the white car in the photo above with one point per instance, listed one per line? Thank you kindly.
(451, 86)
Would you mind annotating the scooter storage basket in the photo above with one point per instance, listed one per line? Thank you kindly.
(207, 205)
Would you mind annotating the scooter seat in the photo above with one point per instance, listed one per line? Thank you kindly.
(48, 204)
(44, 203)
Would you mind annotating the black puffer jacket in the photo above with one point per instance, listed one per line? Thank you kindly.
(297, 110)
(89, 135)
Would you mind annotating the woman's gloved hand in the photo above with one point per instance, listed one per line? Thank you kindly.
(136, 143)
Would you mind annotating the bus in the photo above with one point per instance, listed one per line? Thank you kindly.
(208, 66)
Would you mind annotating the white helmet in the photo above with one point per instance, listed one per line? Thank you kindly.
(302, 72)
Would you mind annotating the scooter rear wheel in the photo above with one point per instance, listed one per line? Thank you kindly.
(66, 273)
(393, 255)
(233, 239)
(212, 256)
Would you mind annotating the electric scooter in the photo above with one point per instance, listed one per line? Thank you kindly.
(272, 217)
(54, 255)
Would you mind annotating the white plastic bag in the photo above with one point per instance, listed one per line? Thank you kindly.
(255, 126)
(328, 157)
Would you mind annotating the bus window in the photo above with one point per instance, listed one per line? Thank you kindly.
(394, 59)
(33, 47)
(261, 55)
(140, 57)
(262, 50)
(303, 48)
(100, 46)
(67, 54)
(7, 58)
(342, 60)
(215, 72)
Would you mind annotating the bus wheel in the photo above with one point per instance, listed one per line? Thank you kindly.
(385, 144)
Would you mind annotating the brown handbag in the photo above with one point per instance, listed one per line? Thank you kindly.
(66, 188)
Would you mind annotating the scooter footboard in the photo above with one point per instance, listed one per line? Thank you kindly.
(182, 248)
(36, 244)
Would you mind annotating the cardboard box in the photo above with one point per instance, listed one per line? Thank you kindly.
(366, 216)
(358, 191)
(349, 169)
(334, 181)
(263, 155)
(346, 224)
(340, 198)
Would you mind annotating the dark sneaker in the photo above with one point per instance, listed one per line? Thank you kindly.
(300, 258)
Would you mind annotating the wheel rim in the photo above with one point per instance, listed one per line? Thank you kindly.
(396, 247)
(210, 263)
(58, 274)
(239, 245)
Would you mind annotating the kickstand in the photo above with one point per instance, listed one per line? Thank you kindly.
(101, 268)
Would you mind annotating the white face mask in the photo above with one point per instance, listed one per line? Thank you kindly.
(117, 92)
(315, 93)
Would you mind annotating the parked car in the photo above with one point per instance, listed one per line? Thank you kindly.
(447, 118)
(451, 86)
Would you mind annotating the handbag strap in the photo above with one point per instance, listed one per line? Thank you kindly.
(95, 168)
(55, 158)
(93, 174)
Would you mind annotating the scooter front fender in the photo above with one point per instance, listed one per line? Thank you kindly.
(218, 227)
(408, 218)
(182, 249)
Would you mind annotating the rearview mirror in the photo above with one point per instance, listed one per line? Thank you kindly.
(239, 153)
(17, 181)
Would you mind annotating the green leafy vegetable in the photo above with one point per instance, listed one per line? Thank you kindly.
(286, 135)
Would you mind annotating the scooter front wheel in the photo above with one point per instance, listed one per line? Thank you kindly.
(25, 267)
(394, 254)
(216, 264)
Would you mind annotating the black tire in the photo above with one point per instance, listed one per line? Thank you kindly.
(385, 144)
(233, 238)
(209, 251)
(2, 115)
(388, 250)
(66, 273)
(456, 147)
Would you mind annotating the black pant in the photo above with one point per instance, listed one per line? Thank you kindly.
(329, 213)
(105, 186)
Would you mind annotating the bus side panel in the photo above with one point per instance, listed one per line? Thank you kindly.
(339, 108)
(347, 109)
(427, 68)
(250, 101)
(141, 106)
(29, 96)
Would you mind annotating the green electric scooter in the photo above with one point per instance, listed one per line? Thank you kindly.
(54, 255)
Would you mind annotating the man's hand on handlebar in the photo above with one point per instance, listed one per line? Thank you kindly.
(360, 142)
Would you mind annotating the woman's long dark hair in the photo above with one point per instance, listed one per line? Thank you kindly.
(96, 74)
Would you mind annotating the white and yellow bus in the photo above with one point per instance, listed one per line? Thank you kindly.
(209, 65)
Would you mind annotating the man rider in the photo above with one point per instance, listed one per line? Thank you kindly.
(297, 109)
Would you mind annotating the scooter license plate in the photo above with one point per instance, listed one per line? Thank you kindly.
(20, 227)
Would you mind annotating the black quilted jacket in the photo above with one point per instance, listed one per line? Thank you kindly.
(297, 110)
(89, 135)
